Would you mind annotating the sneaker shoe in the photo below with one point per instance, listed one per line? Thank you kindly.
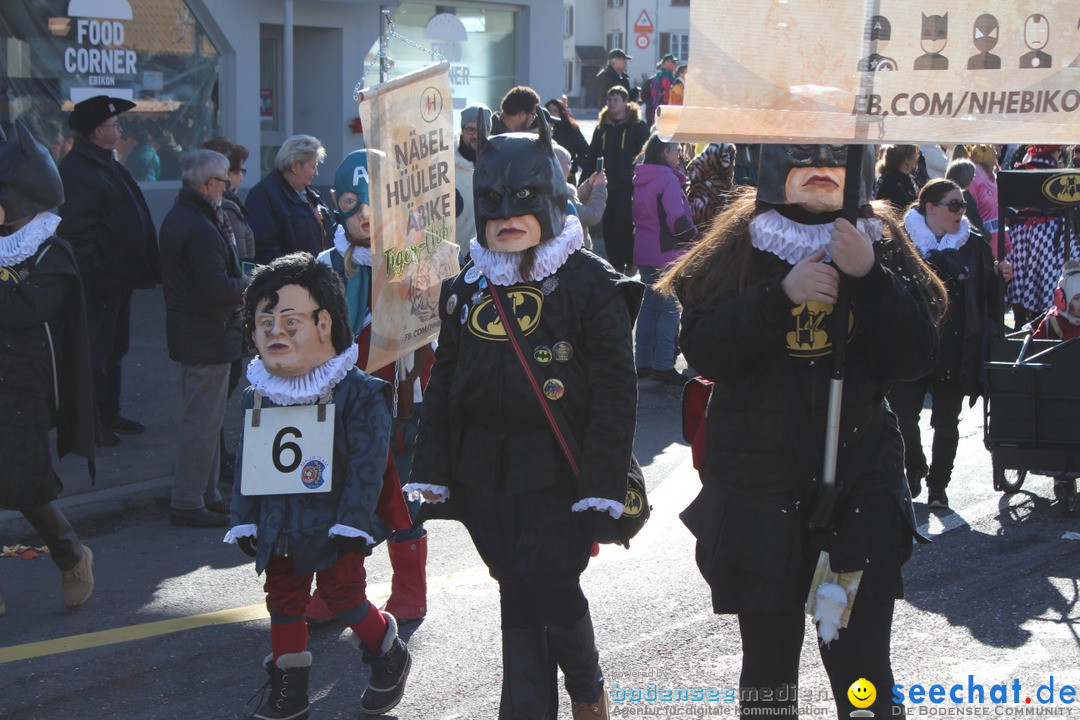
(670, 376)
(389, 671)
(937, 499)
(644, 373)
(221, 507)
(122, 426)
(77, 584)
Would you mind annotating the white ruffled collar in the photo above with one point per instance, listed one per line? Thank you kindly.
(303, 389)
(360, 255)
(502, 268)
(25, 241)
(791, 241)
(923, 237)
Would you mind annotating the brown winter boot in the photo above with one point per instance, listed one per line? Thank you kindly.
(77, 583)
(591, 711)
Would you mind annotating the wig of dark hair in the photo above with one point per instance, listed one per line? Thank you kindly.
(317, 278)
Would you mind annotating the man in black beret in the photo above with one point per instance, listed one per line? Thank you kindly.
(106, 221)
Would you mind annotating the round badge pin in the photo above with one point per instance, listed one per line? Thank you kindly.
(563, 351)
(472, 274)
(477, 297)
(464, 313)
(451, 304)
(554, 389)
(542, 355)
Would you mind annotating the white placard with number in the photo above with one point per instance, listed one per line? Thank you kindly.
(288, 450)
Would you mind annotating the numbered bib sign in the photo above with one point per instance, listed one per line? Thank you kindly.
(288, 450)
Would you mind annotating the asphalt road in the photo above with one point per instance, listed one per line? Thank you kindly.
(183, 630)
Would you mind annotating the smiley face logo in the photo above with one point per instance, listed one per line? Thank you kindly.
(862, 693)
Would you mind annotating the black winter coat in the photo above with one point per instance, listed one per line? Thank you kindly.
(203, 284)
(766, 423)
(283, 223)
(571, 138)
(482, 426)
(898, 188)
(42, 337)
(609, 78)
(618, 142)
(974, 318)
(107, 222)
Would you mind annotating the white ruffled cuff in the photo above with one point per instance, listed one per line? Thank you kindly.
(414, 490)
(612, 507)
(347, 531)
(240, 531)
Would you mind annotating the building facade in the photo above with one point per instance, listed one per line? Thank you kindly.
(645, 29)
(255, 71)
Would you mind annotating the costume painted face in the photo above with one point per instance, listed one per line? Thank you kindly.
(1036, 32)
(29, 182)
(811, 176)
(353, 197)
(291, 342)
(518, 175)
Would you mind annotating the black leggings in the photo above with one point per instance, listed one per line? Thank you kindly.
(772, 643)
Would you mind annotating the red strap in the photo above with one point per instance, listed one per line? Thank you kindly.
(512, 335)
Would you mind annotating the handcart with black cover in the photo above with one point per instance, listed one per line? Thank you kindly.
(1031, 411)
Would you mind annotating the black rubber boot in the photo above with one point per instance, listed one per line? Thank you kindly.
(59, 536)
(288, 698)
(389, 670)
(530, 676)
(575, 650)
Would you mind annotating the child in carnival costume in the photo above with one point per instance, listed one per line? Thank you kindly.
(296, 311)
(44, 357)
(485, 445)
(351, 258)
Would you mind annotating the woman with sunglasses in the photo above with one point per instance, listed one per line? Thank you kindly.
(961, 258)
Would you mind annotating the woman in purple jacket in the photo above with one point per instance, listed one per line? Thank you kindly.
(664, 230)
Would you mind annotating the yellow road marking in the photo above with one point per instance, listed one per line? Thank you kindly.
(132, 632)
(248, 613)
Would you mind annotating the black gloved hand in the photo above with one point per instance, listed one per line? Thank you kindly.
(356, 545)
(602, 527)
(248, 545)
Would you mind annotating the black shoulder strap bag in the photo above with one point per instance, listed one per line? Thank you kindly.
(636, 508)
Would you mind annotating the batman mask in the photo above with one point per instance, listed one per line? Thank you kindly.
(29, 182)
(778, 186)
(518, 174)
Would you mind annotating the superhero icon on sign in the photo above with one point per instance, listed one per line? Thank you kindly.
(935, 35)
(984, 36)
(1036, 36)
(879, 30)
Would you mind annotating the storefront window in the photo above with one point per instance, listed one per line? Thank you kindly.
(153, 52)
(478, 42)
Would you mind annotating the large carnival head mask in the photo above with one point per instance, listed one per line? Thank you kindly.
(296, 312)
(29, 182)
(810, 176)
(520, 192)
(353, 199)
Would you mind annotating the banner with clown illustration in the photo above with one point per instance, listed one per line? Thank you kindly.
(875, 71)
(409, 131)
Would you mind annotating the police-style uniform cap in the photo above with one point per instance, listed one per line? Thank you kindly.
(618, 54)
(91, 112)
(352, 177)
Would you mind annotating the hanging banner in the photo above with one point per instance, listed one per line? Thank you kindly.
(409, 132)
(898, 71)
